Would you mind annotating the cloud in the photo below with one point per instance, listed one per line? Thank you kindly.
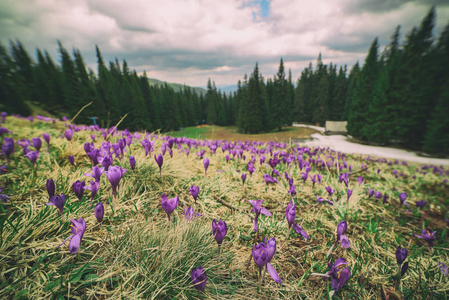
(190, 41)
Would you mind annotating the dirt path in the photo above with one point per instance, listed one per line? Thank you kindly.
(340, 143)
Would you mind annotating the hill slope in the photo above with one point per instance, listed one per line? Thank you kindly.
(177, 87)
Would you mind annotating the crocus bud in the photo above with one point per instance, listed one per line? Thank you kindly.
(115, 174)
(219, 230)
(8, 147)
(46, 137)
(401, 255)
(194, 191)
(68, 134)
(290, 214)
(159, 160)
(72, 160)
(32, 156)
(243, 178)
(78, 189)
(50, 187)
(37, 143)
(342, 227)
(99, 212)
(206, 165)
(199, 278)
(132, 162)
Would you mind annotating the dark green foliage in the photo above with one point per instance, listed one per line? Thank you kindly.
(359, 116)
(11, 86)
(253, 104)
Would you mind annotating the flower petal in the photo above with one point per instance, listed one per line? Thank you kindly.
(75, 243)
(344, 241)
(265, 211)
(273, 273)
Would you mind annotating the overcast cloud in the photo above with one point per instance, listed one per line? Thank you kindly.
(189, 41)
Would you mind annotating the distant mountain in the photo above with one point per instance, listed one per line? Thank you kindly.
(176, 86)
(228, 88)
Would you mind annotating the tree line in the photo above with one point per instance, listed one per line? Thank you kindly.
(399, 95)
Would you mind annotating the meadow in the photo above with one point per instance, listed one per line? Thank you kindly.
(359, 208)
(230, 133)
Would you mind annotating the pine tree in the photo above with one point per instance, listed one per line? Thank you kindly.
(358, 114)
(279, 105)
(13, 100)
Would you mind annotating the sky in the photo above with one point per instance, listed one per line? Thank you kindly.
(190, 41)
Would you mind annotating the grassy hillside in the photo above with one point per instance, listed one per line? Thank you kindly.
(136, 253)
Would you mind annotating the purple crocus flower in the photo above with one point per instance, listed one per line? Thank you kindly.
(348, 193)
(227, 158)
(360, 180)
(251, 169)
(444, 270)
(114, 174)
(341, 229)
(370, 193)
(8, 147)
(402, 197)
(428, 236)
(94, 187)
(33, 156)
(132, 162)
(206, 165)
(258, 209)
(194, 191)
(199, 278)
(219, 230)
(190, 214)
(72, 160)
(330, 191)
(78, 189)
(344, 178)
(401, 255)
(46, 137)
(96, 173)
(262, 159)
(93, 137)
(99, 211)
(159, 160)
(68, 134)
(37, 143)
(78, 228)
(106, 161)
(420, 204)
(338, 273)
(58, 201)
(290, 214)
(201, 153)
(301, 231)
(51, 187)
(262, 255)
(377, 195)
(169, 205)
(292, 190)
(304, 176)
(243, 178)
